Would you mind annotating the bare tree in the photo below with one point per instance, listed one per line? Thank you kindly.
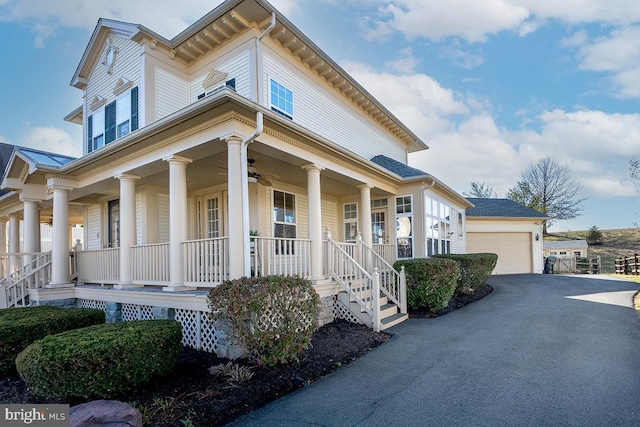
(547, 187)
(634, 168)
(481, 190)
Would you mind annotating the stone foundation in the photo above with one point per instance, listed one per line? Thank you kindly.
(62, 303)
(326, 314)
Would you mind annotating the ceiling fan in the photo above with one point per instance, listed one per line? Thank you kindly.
(253, 175)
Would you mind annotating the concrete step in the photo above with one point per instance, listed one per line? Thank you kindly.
(388, 310)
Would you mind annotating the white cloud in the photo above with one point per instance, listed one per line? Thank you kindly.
(51, 139)
(469, 19)
(461, 57)
(166, 17)
(578, 39)
(405, 63)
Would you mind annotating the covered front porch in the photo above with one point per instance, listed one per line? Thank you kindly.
(187, 207)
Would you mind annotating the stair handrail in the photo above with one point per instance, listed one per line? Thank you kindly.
(396, 288)
(15, 292)
(39, 258)
(345, 270)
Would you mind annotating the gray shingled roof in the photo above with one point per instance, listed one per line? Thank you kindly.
(501, 208)
(566, 244)
(397, 167)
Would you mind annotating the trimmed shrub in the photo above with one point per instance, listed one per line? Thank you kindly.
(475, 269)
(100, 361)
(19, 327)
(273, 316)
(431, 282)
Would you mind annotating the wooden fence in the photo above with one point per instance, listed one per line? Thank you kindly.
(628, 265)
(570, 265)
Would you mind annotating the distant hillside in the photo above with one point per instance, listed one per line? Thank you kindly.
(614, 244)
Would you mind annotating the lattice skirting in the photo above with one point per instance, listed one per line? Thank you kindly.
(340, 311)
(198, 330)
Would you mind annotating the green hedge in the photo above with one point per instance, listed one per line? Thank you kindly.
(431, 282)
(475, 269)
(100, 361)
(19, 327)
(274, 316)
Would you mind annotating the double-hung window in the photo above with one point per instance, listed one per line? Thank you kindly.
(438, 227)
(113, 121)
(284, 221)
(281, 100)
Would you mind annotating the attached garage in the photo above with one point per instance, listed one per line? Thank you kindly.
(515, 253)
(506, 228)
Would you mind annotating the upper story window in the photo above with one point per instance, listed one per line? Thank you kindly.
(281, 100)
(113, 121)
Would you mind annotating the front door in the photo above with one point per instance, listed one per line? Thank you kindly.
(379, 227)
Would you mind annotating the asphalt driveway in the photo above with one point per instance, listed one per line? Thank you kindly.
(540, 350)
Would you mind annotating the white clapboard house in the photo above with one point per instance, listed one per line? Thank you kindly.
(236, 148)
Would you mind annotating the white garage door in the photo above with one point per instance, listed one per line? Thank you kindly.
(513, 249)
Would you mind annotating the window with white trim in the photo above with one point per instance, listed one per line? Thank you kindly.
(404, 227)
(281, 100)
(113, 121)
(437, 227)
(284, 221)
(350, 212)
(577, 254)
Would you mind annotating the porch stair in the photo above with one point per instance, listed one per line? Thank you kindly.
(390, 314)
(14, 289)
(377, 298)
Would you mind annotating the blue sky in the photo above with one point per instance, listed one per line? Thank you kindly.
(490, 86)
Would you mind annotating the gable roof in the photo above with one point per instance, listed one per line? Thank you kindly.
(565, 244)
(500, 208)
(226, 21)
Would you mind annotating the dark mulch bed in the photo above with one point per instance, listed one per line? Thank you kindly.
(191, 393)
(458, 301)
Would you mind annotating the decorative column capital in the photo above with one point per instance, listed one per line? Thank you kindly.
(232, 139)
(60, 182)
(127, 177)
(364, 187)
(177, 159)
(312, 167)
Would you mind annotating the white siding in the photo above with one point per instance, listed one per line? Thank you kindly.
(330, 217)
(327, 113)
(93, 240)
(100, 83)
(458, 237)
(238, 68)
(163, 218)
(172, 93)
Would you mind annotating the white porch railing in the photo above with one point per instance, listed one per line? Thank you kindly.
(393, 284)
(99, 266)
(206, 261)
(275, 255)
(35, 273)
(385, 251)
(151, 264)
(363, 288)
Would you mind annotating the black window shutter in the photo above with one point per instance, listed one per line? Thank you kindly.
(134, 108)
(89, 133)
(110, 122)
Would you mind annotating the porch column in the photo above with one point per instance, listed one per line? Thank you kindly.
(31, 227)
(60, 244)
(127, 228)
(14, 242)
(235, 207)
(315, 219)
(365, 214)
(365, 223)
(177, 219)
(3, 247)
